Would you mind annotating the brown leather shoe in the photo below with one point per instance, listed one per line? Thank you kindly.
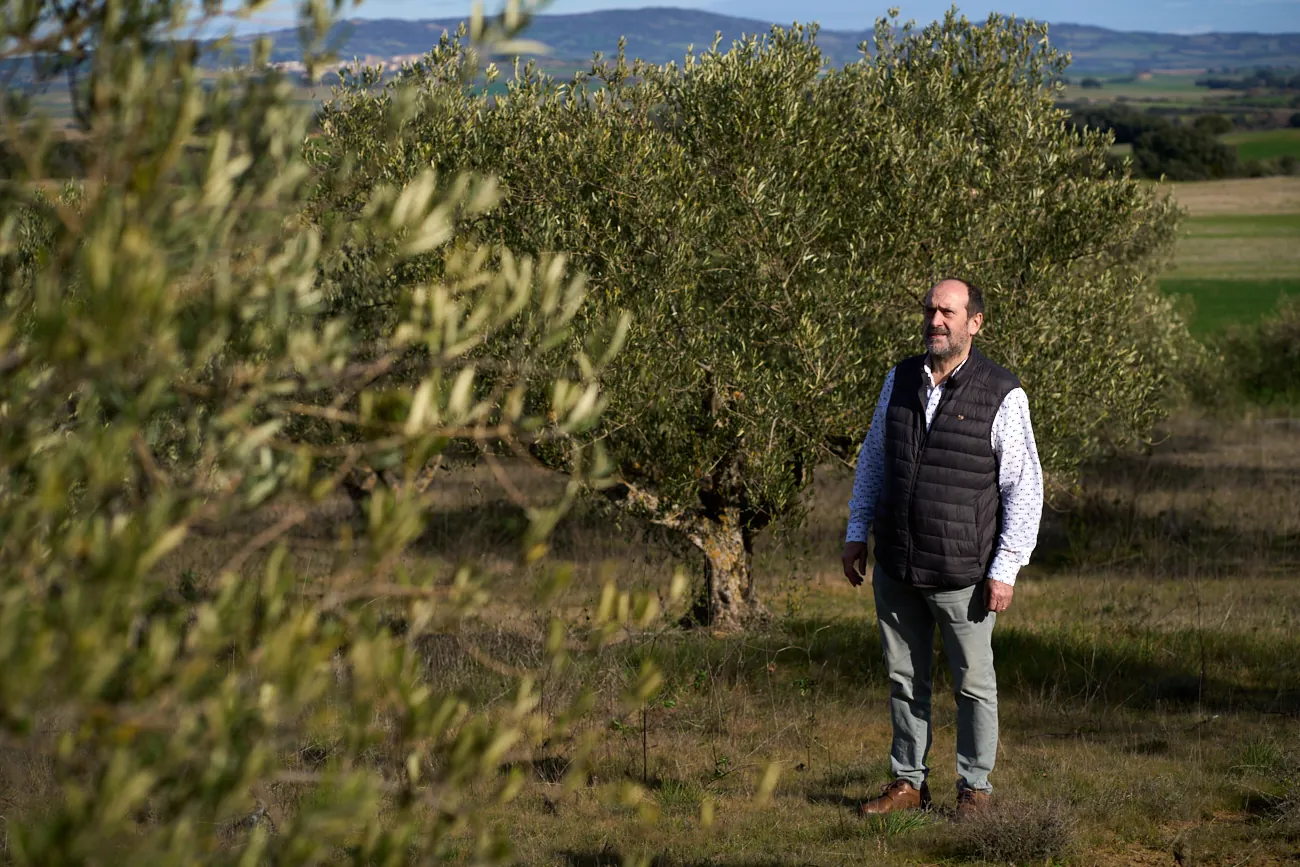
(898, 795)
(971, 804)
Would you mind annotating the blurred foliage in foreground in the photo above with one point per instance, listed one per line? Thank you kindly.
(169, 366)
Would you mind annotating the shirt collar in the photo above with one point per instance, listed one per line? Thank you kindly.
(929, 374)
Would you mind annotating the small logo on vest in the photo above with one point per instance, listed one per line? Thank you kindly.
(961, 418)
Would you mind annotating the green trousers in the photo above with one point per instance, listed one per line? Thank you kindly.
(908, 616)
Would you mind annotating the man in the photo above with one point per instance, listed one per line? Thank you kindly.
(948, 479)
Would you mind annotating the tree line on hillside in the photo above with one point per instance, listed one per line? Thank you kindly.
(1265, 77)
(680, 286)
(1162, 147)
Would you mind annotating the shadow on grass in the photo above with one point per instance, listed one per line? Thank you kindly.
(835, 799)
(1207, 497)
(862, 776)
(1105, 669)
(1174, 541)
(585, 535)
(616, 859)
(1180, 669)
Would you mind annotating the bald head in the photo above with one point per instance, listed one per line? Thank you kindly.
(954, 312)
(974, 295)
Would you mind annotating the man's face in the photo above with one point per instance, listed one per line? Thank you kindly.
(948, 330)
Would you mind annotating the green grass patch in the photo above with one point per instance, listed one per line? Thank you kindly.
(679, 795)
(1243, 226)
(1222, 302)
(1181, 83)
(1265, 144)
(1235, 265)
(1161, 88)
(893, 824)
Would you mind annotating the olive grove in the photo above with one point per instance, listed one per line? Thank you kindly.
(771, 224)
(170, 370)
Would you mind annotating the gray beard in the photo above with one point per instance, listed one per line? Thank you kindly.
(952, 351)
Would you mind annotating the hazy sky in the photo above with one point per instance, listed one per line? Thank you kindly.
(1167, 16)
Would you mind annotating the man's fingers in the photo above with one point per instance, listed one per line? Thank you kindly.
(997, 596)
(854, 561)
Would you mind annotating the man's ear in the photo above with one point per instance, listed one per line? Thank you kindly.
(973, 324)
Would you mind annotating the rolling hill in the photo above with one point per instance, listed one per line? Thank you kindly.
(660, 35)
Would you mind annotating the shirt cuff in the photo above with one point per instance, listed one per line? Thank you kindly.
(857, 532)
(1004, 567)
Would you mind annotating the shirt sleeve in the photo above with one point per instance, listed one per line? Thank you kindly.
(1020, 486)
(870, 473)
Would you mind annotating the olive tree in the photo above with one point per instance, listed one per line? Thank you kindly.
(772, 223)
(167, 362)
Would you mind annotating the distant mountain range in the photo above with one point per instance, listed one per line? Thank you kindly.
(660, 35)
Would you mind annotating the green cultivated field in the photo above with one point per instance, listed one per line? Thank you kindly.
(1164, 87)
(1266, 144)
(1239, 248)
(1222, 302)
(1172, 89)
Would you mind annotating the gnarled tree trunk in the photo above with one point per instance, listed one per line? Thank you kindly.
(725, 535)
(728, 601)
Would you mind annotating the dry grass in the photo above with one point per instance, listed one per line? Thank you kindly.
(1280, 195)
(1144, 658)
(1019, 832)
(1237, 259)
(1240, 248)
(1149, 694)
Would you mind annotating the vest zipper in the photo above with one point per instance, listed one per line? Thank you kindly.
(911, 488)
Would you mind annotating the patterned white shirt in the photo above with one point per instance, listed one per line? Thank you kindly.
(1020, 476)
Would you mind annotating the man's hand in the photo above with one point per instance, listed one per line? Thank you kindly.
(997, 595)
(855, 562)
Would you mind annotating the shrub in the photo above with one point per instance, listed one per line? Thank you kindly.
(771, 224)
(1090, 84)
(1182, 154)
(65, 158)
(1125, 122)
(1262, 360)
(1212, 124)
(1162, 148)
(1256, 168)
(1027, 832)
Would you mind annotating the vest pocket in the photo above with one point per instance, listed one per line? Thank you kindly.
(949, 528)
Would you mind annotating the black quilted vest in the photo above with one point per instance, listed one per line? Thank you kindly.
(938, 517)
